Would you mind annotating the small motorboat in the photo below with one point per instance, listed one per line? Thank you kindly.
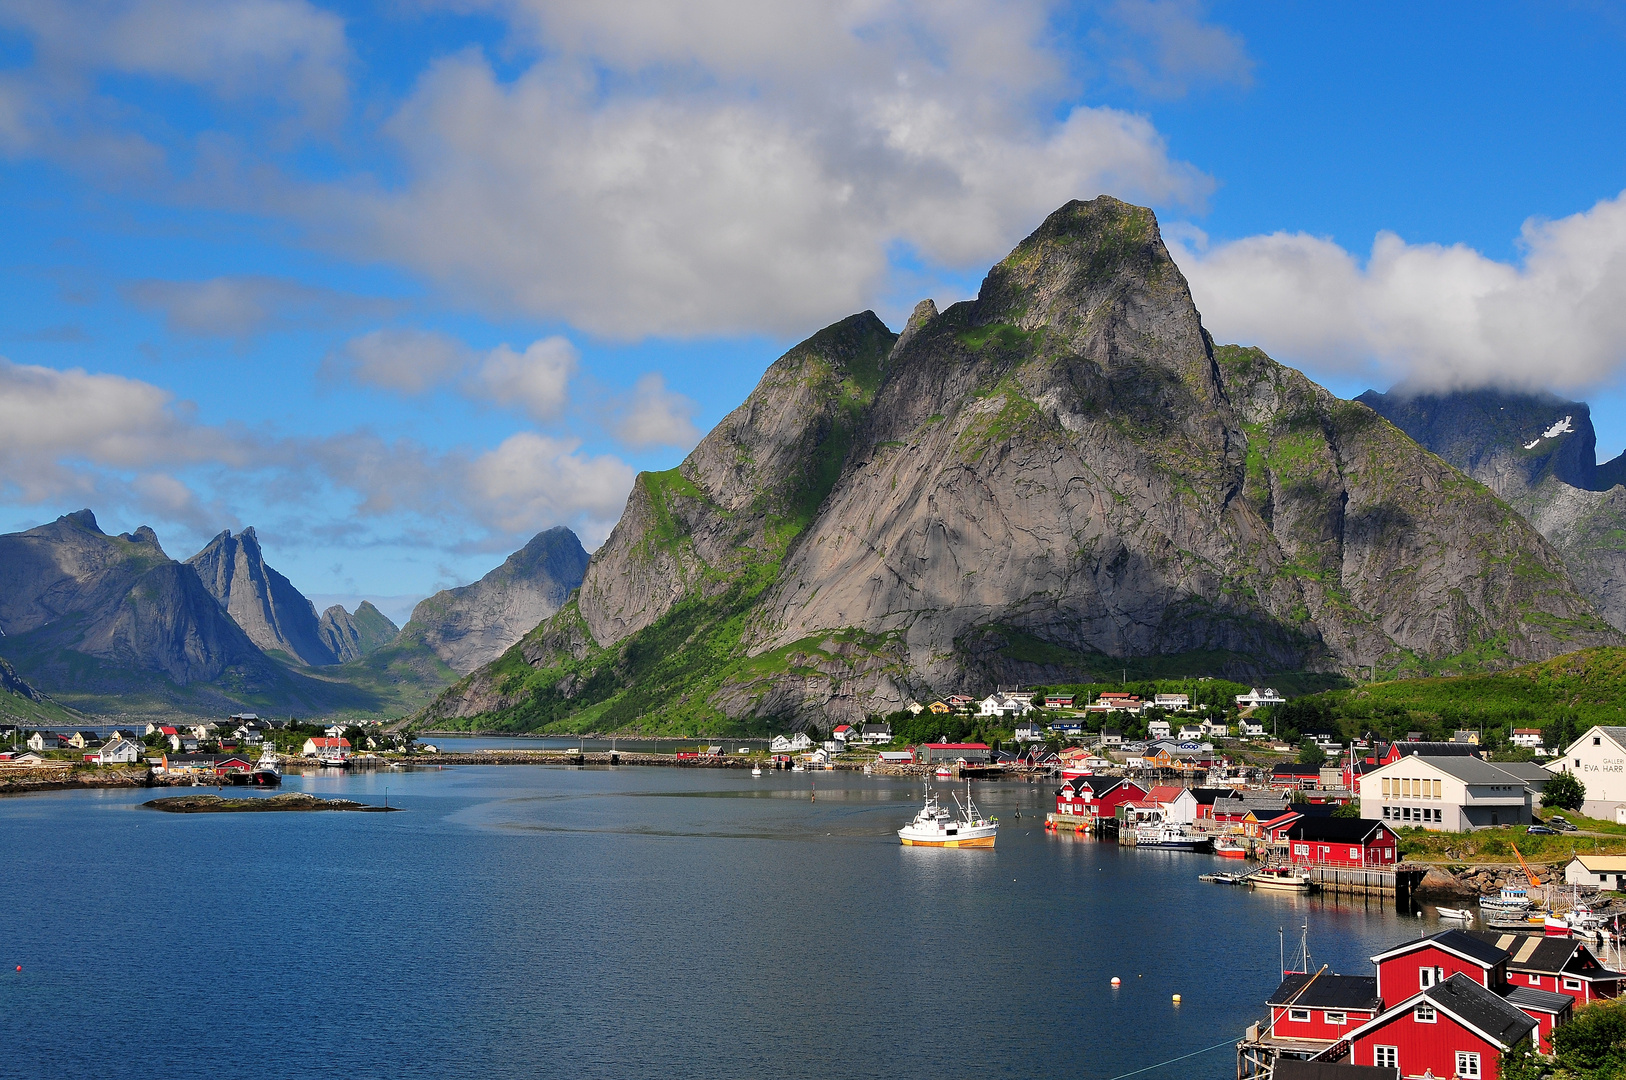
(945, 773)
(756, 770)
(1230, 849)
(1282, 879)
(1456, 914)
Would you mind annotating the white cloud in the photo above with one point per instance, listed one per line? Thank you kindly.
(123, 442)
(531, 478)
(744, 167)
(288, 50)
(244, 305)
(405, 360)
(536, 380)
(1432, 316)
(1164, 47)
(652, 415)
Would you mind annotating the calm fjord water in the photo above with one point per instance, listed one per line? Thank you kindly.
(524, 921)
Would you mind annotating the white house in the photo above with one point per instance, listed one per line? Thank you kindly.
(36, 741)
(1189, 732)
(116, 752)
(1256, 697)
(1599, 871)
(1111, 737)
(915, 708)
(1030, 732)
(1000, 704)
(1598, 760)
(1215, 728)
(1172, 701)
(1527, 737)
(875, 734)
(1445, 794)
(794, 744)
(1252, 729)
(1157, 729)
(841, 734)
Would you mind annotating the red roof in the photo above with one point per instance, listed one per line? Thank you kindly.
(322, 742)
(959, 746)
(844, 727)
(1164, 793)
(167, 731)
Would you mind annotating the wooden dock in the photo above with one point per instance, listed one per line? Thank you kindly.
(1368, 881)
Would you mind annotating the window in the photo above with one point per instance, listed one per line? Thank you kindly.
(1299, 1016)
(1386, 818)
(1386, 1057)
(1534, 980)
(1597, 740)
(1572, 984)
(1424, 1014)
(1337, 1018)
(1388, 792)
(1467, 1065)
(1354, 852)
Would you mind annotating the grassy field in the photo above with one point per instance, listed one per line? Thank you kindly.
(1563, 696)
(1496, 845)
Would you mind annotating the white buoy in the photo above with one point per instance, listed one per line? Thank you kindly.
(1115, 980)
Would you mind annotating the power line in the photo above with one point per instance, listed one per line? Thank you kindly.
(1182, 1057)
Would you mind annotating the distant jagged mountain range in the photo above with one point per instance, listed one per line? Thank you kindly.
(1029, 486)
(112, 625)
(1538, 452)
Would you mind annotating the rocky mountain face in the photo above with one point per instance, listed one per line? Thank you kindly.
(352, 636)
(1060, 473)
(67, 587)
(275, 615)
(1539, 454)
(473, 624)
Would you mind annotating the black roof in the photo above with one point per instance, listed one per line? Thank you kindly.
(1464, 998)
(1528, 997)
(1293, 1069)
(1292, 768)
(1338, 830)
(1328, 992)
(1207, 795)
(1460, 942)
(1549, 955)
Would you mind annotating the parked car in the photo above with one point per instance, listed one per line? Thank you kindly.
(1558, 821)
(1542, 830)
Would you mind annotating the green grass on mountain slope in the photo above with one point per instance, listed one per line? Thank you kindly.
(1563, 696)
(391, 682)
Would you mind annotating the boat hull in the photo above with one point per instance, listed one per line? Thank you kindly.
(952, 841)
(1281, 886)
(1230, 853)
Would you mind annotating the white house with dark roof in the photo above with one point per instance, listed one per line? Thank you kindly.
(1598, 760)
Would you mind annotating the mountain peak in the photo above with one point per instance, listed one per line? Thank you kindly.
(84, 519)
(274, 614)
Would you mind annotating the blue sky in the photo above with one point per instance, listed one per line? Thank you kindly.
(401, 284)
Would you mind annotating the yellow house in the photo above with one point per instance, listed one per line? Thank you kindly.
(939, 707)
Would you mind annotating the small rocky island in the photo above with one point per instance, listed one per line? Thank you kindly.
(288, 801)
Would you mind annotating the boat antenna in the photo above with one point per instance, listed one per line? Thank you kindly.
(1281, 947)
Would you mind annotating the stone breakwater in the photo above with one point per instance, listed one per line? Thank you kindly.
(14, 781)
(1460, 882)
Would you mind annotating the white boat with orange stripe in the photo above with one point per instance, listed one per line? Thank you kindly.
(934, 826)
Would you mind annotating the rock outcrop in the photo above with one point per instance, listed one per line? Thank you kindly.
(352, 636)
(1060, 473)
(471, 625)
(69, 587)
(1539, 454)
(276, 616)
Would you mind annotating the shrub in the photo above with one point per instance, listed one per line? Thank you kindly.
(1564, 790)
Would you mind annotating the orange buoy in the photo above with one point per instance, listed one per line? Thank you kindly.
(1115, 980)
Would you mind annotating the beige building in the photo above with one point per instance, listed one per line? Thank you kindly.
(1445, 794)
(1598, 760)
(1599, 871)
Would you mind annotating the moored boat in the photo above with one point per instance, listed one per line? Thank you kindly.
(1168, 835)
(1281, 879)
(1456, 914)
(267, 772)
(1230, 849)
(944, 772)
(934, 826)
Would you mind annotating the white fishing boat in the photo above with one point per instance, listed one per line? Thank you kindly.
(1281, 879)
(1513, 900)
(756, 770)
(945, 773)
(1167, 834)
(1456, 914)
(934, 826)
